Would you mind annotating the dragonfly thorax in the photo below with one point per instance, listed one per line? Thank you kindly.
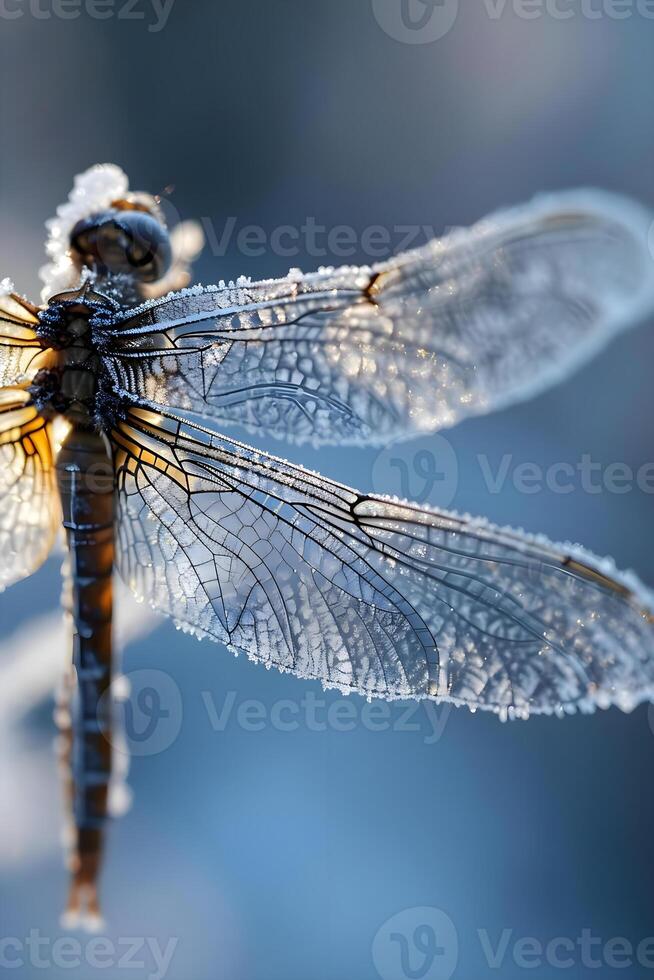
(75, 318)
(74, 383)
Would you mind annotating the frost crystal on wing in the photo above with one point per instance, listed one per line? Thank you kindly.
(465, 324)
(366, 593)
(369, 594)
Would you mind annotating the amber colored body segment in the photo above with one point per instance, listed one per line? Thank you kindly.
(85, 481)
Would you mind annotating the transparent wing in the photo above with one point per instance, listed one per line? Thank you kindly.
(365, 593)
(461, 326)
(19, 345)
(29, 504)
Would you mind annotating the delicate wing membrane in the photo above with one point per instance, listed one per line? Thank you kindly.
(365, 593)
(19, 345)
(460, 326)
(29, 505)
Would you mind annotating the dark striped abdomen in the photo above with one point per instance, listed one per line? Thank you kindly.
(85, 478)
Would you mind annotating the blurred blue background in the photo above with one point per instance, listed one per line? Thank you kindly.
(279, 855)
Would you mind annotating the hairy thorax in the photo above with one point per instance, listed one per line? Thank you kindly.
(75, 383)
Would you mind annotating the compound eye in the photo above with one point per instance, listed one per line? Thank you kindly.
(131, 243)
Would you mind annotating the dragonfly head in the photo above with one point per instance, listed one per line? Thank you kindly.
(129, 238)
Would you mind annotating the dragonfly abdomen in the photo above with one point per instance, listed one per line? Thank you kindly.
(85, 480)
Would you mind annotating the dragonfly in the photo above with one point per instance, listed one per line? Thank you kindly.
(112, 393)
